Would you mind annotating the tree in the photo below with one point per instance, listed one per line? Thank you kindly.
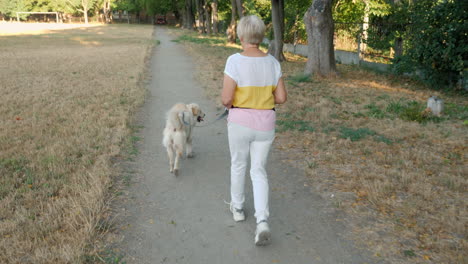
(320, 29)
(214, 8)
(208, 17)
(201, 16)
(189, 18)
(85, 5)
(10, 7)
(231, 32)
(277, 15)
(106, 6)
(125, 5)
(240, 8)
(436, 44)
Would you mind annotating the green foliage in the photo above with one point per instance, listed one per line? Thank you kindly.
(10, 7)
(436, 45)
(294, 11)
(349, 16)
(348, 11)
(261, 8)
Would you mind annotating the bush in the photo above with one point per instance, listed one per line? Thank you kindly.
(436, 42)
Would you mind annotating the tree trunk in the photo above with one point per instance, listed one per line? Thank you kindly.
(281, 16)
(398, 47)
(85, 15)
(276, 46)
(201, 16)
(189, 18)
(319, 26)
(365, 27)
(107, 11)
(231, 32)
(208, 17)
(214, 7)
(240, 8)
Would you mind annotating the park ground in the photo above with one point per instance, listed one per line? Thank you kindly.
(69, 97)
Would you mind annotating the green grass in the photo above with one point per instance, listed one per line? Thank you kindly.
(300, 78)
(409, 253)
(335, 100)
(200, 40)
(362, 133)
(356, 134)
(456, 111)
(374, 111)
(299, 125)
(16, 174)
(107, 257)
(412, 111)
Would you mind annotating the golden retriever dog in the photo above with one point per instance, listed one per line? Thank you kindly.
(177, 135)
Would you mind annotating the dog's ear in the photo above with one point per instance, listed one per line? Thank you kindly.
(195, 110)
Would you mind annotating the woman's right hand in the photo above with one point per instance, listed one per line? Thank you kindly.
(280, 93)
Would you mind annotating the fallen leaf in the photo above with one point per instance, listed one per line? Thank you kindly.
(362, 193)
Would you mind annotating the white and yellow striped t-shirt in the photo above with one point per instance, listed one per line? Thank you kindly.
(256, 79)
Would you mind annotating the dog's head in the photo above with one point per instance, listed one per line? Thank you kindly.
(196, 111)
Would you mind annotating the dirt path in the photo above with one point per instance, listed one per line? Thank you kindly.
(167, 219)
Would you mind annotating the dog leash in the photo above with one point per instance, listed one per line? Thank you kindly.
(183, 119)
(223, 115)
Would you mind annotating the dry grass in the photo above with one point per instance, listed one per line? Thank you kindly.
(402, 183)
(67, 97)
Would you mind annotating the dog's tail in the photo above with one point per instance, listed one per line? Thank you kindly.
(174, 119)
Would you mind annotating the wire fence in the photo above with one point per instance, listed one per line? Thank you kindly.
(99, 18)
(374, 42)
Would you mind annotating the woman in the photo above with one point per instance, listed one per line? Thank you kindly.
(251, 88)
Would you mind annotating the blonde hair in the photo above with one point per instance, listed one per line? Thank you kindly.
(251, 29)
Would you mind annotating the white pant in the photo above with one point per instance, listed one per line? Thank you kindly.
(242, 141)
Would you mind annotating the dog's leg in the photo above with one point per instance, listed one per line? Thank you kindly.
(179, 143)
(170, 154)
(189, 148)
(177, 158)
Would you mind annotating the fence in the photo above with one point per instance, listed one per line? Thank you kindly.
(372, 45)
(372, 41)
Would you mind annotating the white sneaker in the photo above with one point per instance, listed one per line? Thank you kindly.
(262, 234)
(237, 214)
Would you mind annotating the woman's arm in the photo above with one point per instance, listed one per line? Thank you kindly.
(229, 88)
(280, 92)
